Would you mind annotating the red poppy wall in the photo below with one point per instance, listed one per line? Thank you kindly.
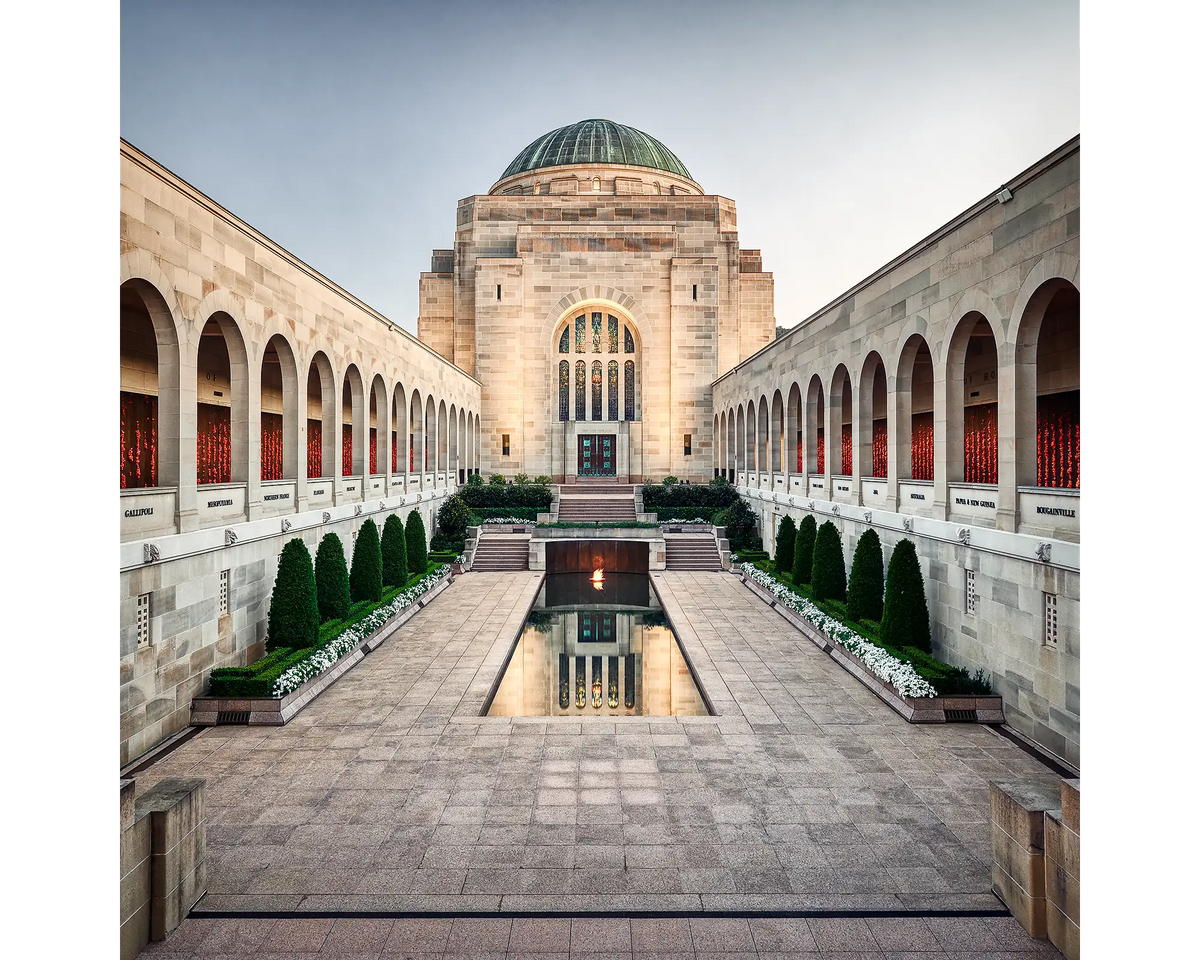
(314, 449)
(847, 450)
(1058, 440)
(139, 440)
(980, 444)
(879, 462)
(922, 446)
(271, 446)
(347, 450)
(213, 460)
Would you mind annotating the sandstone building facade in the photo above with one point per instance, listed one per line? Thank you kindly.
(597, 317)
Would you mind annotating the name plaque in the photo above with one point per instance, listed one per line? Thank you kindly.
(140, 512)
(278, 496)
(1049, 511)
(966, 502)
(219, 503)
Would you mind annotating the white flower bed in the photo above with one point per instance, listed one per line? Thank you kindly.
(298, 674)
(508, 520)
(899, 673)
(676, 523)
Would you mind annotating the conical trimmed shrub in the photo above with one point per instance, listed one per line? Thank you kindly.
(333, 580)
(292, 619)
(418, 547)
(785, 542)
(864, 595)
(802, 550)
(905, 620)
(395, 552)
(366, 566)
(829, 564)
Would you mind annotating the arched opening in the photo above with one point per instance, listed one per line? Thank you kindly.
(730, 445)
(972, 445)
(872, 397)
(463, 456)
(416, 435)
(762, 437)
(815, 426)
(1048, 394)
(222, 403)
(718, 446)
(378, 422)
(478, 446)
(914, 411)
(321, 419)
(452, 461)
(399, 433)
(596, 365)
(149, 389)
(842, 418)
(352, 423)
(740, 448)
(277, 428)
(443, 435)
(777, 438)
(795, 430)
(751, 444)
(431, 436)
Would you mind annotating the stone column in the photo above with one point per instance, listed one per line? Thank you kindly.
(1006, 440)
(898, 406)
(947, 438)
(251, 433)
(188, 515)
(299, 449)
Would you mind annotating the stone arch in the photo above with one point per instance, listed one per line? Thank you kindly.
(377, 423)
(621, 369)
(751, 437)
(872, 441)
(452, 452)
(915, 409)
(814, 424)
(739, 452)
(279, 390)
(841, 421)
(462, 445)
(149, 314)
(762, 434)
(222, 374)
(416, 428)
(399, 438)
(352, 414)
(777, 436)
(972, 393)
(431, 435)
(321, 430)
(478, 446)
(731, 444)
(443, 435)
(795, 429)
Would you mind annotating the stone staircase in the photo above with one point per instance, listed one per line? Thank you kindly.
(501, 551)
(692, 551)
(606, 507)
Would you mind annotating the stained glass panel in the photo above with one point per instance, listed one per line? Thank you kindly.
(612, 334)
(597, 390)
(580, 390)
(564, 342)
(564, 390)
(628, 341)
(596, 324)
(628, 387)
(612, 388)
(580, 334)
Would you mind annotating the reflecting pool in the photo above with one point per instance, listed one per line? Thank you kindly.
(597, 645)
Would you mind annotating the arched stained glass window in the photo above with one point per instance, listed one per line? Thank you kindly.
(580, 390)
(564, 390)
(629, 407)
(580, 333)
(564, 342)
(628, 341)
(612, 388)
(596, 318)
(612, 334)
(597, 390)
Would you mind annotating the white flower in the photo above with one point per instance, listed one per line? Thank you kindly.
(899, 673)
(321, 660)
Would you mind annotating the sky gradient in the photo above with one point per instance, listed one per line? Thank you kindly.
(845, 132)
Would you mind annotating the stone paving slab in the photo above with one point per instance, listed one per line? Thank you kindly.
(804, 794)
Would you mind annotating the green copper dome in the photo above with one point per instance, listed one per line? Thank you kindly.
(596, 141)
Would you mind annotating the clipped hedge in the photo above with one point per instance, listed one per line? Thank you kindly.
(659, 497)
(293, 618)
(333, 580)
(802, 550)
(864, 595)
(414, 537)
(535, 496)
(905, 620)
(395, 552)
(829, 564)
(785, 544)
(366, 566)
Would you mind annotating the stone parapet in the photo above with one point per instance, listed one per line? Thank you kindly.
(1018, 817)
(1062, 872)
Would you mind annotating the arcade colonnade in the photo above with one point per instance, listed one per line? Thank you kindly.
(974, 419)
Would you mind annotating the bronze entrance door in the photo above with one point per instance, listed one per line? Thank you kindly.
(597, 455)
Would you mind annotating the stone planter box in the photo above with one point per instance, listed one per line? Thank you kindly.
(958, 709)
(276, 711)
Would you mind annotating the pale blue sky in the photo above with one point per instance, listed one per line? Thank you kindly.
(844, 131)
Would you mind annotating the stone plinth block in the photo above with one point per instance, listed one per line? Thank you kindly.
(135, 878)
(127, 804)
(1018, 850)
(175, 809)
(1062, 884)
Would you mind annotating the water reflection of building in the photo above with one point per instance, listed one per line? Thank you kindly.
(599, 660)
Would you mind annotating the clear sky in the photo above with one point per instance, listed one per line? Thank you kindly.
(845, 131)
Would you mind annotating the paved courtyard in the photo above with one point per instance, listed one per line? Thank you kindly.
(390, 794)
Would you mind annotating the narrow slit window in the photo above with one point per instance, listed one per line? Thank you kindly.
(143, 619)
(498, 297)
(1051, 638)
(970, 591)
(223, 595)
(504, 444)
(687, 444)
(694, 291)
